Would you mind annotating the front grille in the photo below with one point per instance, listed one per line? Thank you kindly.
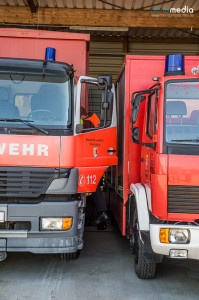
(25, 181)
(183, 199)
(15, 225)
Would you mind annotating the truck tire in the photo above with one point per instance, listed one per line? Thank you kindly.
(70, 256)
(143, 269)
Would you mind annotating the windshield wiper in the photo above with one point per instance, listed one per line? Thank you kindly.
(26, 122)
(188, 140)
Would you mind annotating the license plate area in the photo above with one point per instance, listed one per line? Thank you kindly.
(3, 213)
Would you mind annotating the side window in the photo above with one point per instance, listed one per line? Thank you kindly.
(151, 115)
(90, 107)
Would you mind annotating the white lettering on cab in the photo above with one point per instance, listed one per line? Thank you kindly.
(2, 148)
(29, 149)
(14, 149)
(42, 149)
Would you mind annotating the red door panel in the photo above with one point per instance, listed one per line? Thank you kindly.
(92, 157)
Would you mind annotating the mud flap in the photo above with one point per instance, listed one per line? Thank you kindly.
(148, 253)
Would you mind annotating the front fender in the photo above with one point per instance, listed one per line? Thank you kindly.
(139, 192)
(89, 178)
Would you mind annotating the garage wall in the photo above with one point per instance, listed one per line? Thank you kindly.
(107, 57)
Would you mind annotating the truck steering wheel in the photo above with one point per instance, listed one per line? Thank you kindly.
(51, 114)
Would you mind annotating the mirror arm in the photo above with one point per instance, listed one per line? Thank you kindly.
(149, 91)
(150, 145)
(105, 101)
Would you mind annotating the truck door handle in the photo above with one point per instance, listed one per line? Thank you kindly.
(142, 159)
(111, 150)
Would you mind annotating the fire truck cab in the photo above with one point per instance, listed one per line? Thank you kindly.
(155, 199)
(48, 160)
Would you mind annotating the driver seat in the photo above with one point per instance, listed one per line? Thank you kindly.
(48, 98)
(7, 109)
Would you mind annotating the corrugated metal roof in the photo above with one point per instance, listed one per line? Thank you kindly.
(159, 32)
(147, 32)
(107, 4)
(116, 4)
(107, 57)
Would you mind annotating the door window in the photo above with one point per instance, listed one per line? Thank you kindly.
(90, 107)
(151, 115)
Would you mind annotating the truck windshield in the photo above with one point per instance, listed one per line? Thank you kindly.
(44, 99)
(182, 112)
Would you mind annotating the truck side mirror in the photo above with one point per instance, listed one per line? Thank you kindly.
(108, 78)
(106, 107)
(136, 106)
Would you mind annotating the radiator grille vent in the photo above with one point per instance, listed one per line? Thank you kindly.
(183, 199)
(25, 181)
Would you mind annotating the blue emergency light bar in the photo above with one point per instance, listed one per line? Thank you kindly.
(174, 64)
(50, 54)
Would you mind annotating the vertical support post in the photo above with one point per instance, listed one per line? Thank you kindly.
(32, 6)
(125, 45)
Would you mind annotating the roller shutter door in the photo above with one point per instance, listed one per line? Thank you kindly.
(107, 57)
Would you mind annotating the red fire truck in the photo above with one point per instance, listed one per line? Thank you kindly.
(155, 199)
(48, 160)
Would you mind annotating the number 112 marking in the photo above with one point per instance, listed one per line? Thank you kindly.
(91, 179)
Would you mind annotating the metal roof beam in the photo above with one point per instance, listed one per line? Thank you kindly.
(32, 6)
(166, 40)
(97, 17)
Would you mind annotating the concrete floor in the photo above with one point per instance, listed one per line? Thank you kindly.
(104, 270)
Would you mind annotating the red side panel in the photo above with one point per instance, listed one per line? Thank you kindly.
(183, 170)
(141, 71)
(67, 155)
(71, 48)
(89, 178)
(92, 157)
(91, 148)
(159, 195)
(35, 151)
(139, 74)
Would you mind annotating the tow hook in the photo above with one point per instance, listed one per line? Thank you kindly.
(3, 255)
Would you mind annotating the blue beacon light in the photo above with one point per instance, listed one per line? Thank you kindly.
(50, 54)
(174, 65)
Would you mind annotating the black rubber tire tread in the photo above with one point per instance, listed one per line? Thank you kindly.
(143, 269)
(70, 256)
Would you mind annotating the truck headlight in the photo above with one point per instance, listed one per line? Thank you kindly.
(174, 236)
(55, 223)
(179, 236)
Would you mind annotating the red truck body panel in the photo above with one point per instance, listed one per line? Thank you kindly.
(65, 151)
(31, 44)
(48, 166)
(88, 163)
(35, 151)
(139, 71)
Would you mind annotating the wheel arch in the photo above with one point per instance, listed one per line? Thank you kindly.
(140, 196)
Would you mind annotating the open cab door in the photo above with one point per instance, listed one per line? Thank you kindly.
(95, 124)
